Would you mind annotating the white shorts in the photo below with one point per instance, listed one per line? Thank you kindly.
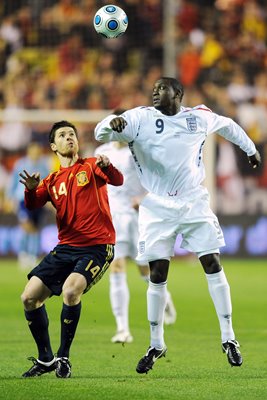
(162, 219)
(126, 227)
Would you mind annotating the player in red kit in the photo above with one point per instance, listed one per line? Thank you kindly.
(78, 191)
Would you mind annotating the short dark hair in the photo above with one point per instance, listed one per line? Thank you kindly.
(56, 126)
(176, 85)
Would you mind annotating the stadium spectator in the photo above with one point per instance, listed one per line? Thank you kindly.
(211, 55)
(188, 16)
(13, 94)
(29, 220)
(71, 54)
(11, 34)
(253, 19)
(4, 182)
(66, 14)
(230, 186)
(124, 203)
(238, 89)
(21, 132)
(167, 142)
(188, 62)
(78, 192)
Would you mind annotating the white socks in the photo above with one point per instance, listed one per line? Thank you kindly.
(156, 303)
(119, 299)
(220, 293)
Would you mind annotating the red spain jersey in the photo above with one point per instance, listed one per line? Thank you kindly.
(79, 195)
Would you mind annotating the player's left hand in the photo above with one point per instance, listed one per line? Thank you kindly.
(255, 160)
(102, 161)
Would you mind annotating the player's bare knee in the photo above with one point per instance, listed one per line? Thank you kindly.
(211, 263)
(71, 296)
(157, 276)
(24, 298)
(29, 302)
(159, 270)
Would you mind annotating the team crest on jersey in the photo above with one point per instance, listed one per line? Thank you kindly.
(191, 124)
(82, 178)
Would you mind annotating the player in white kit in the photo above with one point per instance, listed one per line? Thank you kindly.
(166, 143)
(124, 203)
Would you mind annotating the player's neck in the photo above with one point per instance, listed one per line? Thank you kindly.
(168, 111)
(66, 162)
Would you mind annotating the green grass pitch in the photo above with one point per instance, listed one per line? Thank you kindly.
(194, 368)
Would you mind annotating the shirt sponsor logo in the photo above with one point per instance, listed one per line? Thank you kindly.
(191, 124)
(82, 178)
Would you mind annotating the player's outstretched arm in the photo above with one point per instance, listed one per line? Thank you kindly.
(255, 160)
(29, 181)
(113, 128)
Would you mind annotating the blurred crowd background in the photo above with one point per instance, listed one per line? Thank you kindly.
(51, 58)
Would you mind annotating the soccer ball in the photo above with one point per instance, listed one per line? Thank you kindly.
(110, 21)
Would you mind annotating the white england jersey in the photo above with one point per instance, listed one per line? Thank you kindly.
(167, 150)
(120, 197)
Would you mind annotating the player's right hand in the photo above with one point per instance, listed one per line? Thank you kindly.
(29, 181)
(102, 161)
(255, 160)
(118, 124)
